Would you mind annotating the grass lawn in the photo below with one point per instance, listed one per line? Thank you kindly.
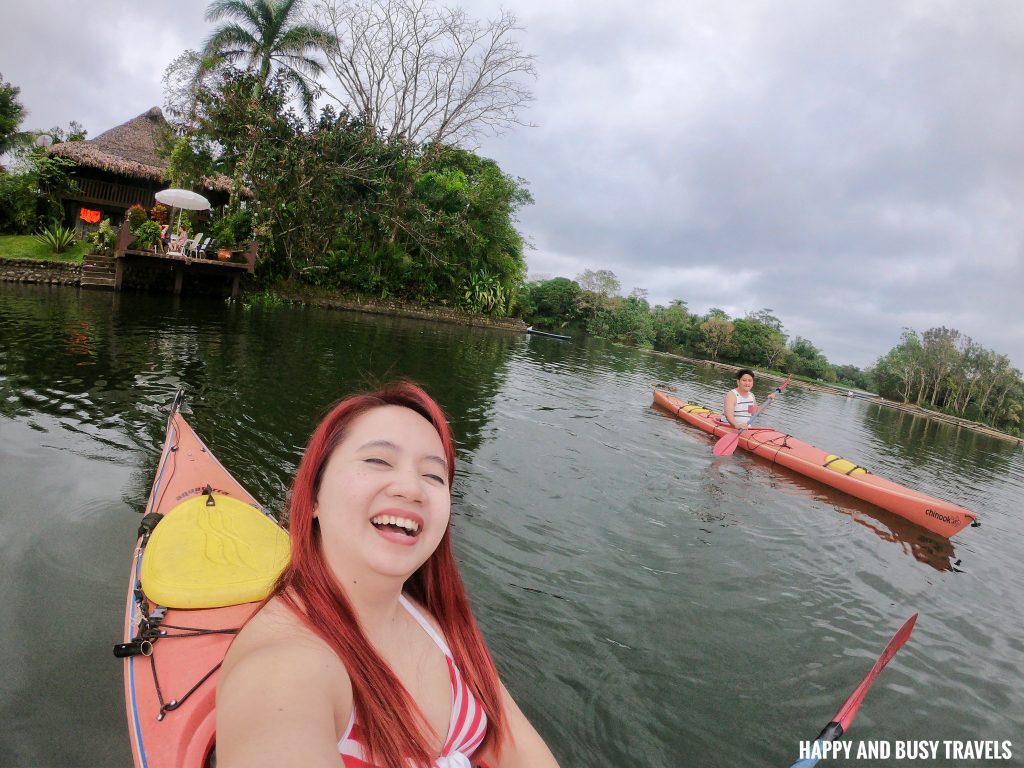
(26, 247)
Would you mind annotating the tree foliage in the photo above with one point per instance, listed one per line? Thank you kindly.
(30, 196)
(943, 369)
(852, 376)
(11, 114)
(757, 343)
(625, 319)
(716, 336)
(675, 329)
(603, 282)
(552, 302)
(268, 38)
(805, 359)
(338, 205)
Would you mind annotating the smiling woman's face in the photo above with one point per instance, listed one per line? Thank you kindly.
(745, 382)
(384, 501)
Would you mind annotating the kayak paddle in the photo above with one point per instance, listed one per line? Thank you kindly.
(726, 446)
(844, 717)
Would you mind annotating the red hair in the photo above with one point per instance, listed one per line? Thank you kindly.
(309, 588)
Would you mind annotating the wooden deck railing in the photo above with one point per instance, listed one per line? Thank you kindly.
(111, 193)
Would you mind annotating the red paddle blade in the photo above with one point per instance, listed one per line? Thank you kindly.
(848, 711)
(726, 445)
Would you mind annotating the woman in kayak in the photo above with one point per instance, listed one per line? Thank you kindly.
(740, 403)
(367, 646)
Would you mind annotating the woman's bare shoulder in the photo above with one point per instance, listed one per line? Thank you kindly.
(281, 691)
(276, 654)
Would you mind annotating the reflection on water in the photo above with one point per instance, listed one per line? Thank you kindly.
(648, 603)
(922, 544)
(959, 449)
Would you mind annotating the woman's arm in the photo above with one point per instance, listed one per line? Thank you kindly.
(279, 705)
(522, 747)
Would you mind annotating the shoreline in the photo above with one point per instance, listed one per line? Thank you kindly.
(394, 308)
(65, 274)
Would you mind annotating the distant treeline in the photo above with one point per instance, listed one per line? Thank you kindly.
(945, 370)
(939, 369)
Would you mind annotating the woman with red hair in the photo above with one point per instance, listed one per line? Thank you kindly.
(367, 648)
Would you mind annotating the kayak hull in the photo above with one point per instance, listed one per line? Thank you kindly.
(163, 732)
(938, 516)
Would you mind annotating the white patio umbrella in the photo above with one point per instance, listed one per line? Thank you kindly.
(182, 199)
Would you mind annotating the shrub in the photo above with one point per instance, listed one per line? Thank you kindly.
(233, 229)
(136, 215)
(160, 213)
(57, 238)
(103, 238)
(146, 234)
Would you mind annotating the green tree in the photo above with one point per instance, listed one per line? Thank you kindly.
(462, 211)
(805, 359)
(74, 132)
(852, 376)
(765, 317)
(674, 327)
(716, 335)
(336, 204)
(30, 199)
(11, 115)
(941, 356)
(603, 282)
(627, 320)
(756, 343)
(896, 372)
(268, 37)
(554, 302)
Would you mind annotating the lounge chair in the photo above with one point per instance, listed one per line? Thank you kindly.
(191, 247)
(204, 249)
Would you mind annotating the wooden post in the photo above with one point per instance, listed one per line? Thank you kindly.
(234, 285)
(124, 239)
(178, 273)
(250, 257)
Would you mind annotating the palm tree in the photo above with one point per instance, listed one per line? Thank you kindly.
(263, 35)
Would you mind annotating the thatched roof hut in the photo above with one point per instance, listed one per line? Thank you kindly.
(132, 149)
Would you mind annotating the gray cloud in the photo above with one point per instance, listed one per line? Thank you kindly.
(856, 166)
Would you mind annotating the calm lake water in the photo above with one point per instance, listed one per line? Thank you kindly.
(648, 603)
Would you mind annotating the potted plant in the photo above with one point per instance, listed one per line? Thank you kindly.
(232, 231)
(147, 234)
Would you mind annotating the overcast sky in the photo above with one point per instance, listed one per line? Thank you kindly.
(857, 166)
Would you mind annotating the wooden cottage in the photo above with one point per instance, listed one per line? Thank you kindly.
(121, 167)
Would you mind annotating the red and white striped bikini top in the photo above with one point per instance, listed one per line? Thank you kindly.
(468, 724)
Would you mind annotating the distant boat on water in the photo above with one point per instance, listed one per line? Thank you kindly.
(533, 332)
(861, 393)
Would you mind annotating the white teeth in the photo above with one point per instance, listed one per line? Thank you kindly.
(401, 522)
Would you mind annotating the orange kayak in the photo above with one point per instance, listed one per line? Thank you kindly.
(937, 516)
(207, 554)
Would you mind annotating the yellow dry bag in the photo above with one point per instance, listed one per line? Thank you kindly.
(842, 466)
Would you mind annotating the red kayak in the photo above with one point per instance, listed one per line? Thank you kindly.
(207, 555)
(937, 516)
